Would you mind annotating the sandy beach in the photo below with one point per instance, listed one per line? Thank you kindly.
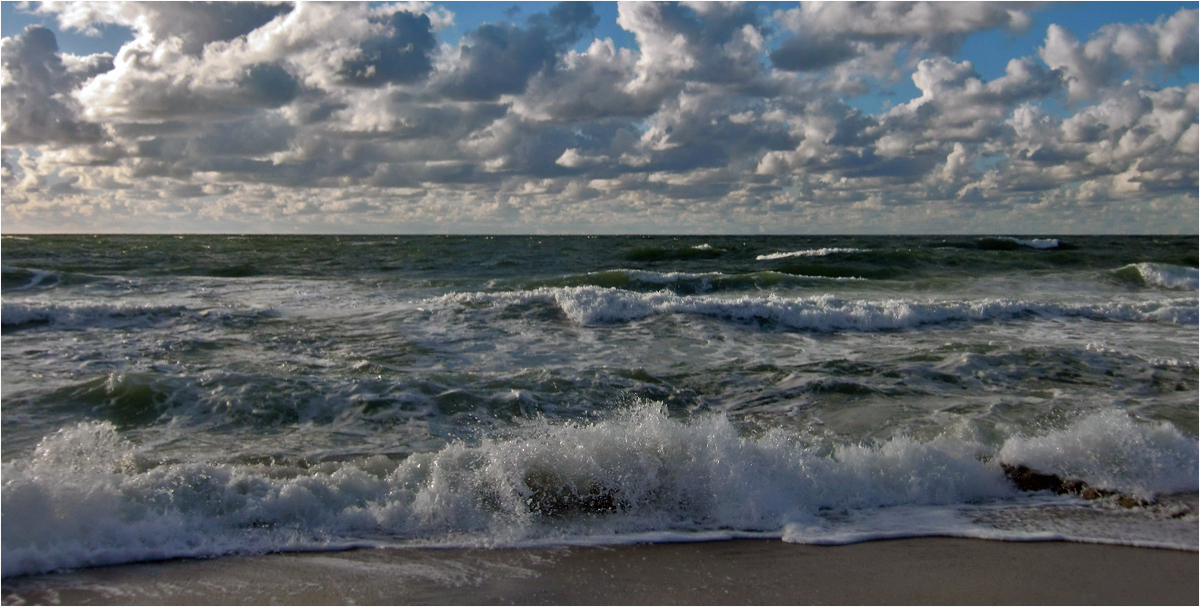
(908, 571)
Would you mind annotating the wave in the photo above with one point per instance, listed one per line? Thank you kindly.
(74, 316)
(687, 282)
(592, 305)
(17, 279)
(1008, 243)
(672, 253)
(875, 264)
(88, 496)
(1109, 449)
(24, 279)
(1161, 275)
(809, 253)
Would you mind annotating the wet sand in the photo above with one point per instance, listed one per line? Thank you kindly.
(908, 571)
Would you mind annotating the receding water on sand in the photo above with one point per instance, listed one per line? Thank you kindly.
(752, 572)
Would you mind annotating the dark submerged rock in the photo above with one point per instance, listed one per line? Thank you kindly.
(1028, 479)
(551, 496)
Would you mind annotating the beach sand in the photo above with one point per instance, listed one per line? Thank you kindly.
(906, 571)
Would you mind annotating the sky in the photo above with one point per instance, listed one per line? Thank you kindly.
(598, 118)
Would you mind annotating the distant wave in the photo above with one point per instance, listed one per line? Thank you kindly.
(592, 305)
(809, 253)
(686, 282)
(1008, 243)
(1037, 243)
(677, 252)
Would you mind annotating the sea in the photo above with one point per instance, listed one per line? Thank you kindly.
(169, 396)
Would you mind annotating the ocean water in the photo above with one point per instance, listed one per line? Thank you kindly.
(177, 396)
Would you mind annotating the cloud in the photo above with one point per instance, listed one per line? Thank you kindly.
(808, 53)
(714, 42)
(587, 86)
(401, 55)
(194, 24)
(1116, 50)
(957, 105)
(829, 33)
(310, 51)
(37, 83)
(498, 59)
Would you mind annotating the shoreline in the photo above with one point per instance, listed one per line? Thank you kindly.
(927, 570)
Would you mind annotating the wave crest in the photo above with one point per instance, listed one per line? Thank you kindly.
(1161, 275)
(808, 253)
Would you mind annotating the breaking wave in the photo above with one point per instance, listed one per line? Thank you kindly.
(1161, 275)
(88, 496)
(593, 305)
(1008, 243)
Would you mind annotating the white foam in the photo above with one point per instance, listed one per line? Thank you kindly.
(808, 253)
(594, 305)
(87, 496)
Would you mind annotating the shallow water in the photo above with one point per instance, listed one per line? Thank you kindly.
(200, 395)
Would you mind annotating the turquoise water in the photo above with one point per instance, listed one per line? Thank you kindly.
(201, 395)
